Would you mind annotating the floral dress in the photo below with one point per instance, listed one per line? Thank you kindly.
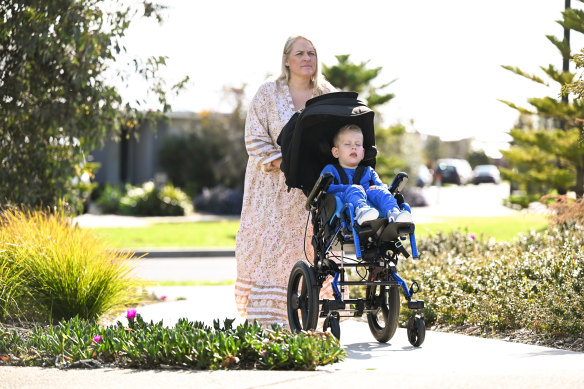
(271, 237)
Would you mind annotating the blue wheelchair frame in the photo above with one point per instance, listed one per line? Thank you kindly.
(348, 223)
(333, 222)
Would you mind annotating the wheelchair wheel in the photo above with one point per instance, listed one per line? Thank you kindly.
(383, 322)
(302, 298)
(416, 331)
(333, 323)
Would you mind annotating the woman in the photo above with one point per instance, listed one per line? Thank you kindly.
(273, 220)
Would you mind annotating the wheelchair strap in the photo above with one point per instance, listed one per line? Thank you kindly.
(356, 177)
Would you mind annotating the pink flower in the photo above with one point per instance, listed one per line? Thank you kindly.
(472, 236)
(131, 314)
(97, 338)
(163, 297)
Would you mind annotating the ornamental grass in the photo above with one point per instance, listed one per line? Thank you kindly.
(51, 270)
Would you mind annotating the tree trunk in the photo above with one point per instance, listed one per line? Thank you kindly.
(580, 178)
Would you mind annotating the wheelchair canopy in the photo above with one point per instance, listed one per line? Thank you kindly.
(306, 140)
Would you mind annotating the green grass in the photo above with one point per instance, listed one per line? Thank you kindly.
(199, 234)
(222, 234)
(502, 228)
(195, 283)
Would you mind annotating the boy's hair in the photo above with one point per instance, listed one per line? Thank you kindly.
(345, 128)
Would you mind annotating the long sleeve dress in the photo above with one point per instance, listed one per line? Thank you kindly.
(270, 239)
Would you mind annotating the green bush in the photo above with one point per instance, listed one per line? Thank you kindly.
(535, 282)
(148, 200)
(209, 153)
(109, 198)
(191, 345)
(522, 200)
(51, 270)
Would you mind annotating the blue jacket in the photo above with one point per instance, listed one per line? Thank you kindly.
(369, 176)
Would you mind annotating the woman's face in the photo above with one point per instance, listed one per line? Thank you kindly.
(302, 59)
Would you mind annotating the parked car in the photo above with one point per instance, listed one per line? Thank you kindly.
(424, 176)
(486, 173)
(453, 171)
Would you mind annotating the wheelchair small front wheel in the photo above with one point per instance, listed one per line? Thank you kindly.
(302, 298)
(333, 322)
(416, 330)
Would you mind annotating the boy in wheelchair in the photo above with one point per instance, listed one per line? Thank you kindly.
(360, 185)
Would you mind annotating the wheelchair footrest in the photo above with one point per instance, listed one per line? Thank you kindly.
(416, 304)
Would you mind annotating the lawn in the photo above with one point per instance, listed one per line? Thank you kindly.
(222, 234)
(502, 228)
(199, 234)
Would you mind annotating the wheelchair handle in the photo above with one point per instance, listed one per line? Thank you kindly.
(398, 183)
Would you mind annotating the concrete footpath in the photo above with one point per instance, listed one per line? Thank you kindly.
(444, 360)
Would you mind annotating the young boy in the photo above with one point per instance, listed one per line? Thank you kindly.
(348, 149)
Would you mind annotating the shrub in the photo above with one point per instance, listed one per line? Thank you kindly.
(220, 201)
(148, 200)
(52, 270)
(210, 152)
(565, 210)
(191, 345)
(534, 283)
(109, 198)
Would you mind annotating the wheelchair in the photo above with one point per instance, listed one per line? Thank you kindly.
(370, 251)
(377, 246)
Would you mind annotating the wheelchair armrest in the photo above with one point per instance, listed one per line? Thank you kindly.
(319, 188)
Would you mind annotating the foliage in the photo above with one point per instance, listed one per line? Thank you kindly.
(220, 201)
(191, 345)
(109, 198)
(52, 270)
(566, 211)
(543, 158)
(82, 187)
(533, 283)
(390, 158)
(349, 76)
(551, 155)
(476, 158)
(209, 154)
(521, 199)
(148, 200)
(57, 94)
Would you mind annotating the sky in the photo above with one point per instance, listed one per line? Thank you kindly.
(445, 56)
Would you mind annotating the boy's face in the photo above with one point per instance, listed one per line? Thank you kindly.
(349, 149)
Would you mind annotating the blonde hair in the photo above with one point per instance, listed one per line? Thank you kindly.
(346, 128)
(285, 75)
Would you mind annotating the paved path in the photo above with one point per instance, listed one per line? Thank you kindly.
(444, 360)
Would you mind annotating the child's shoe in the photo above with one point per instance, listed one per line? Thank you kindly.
(365, 214)
(397, 216)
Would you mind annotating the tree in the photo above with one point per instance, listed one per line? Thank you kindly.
(211, 152)
(349, 76)
(56, 101)
(550, 155)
